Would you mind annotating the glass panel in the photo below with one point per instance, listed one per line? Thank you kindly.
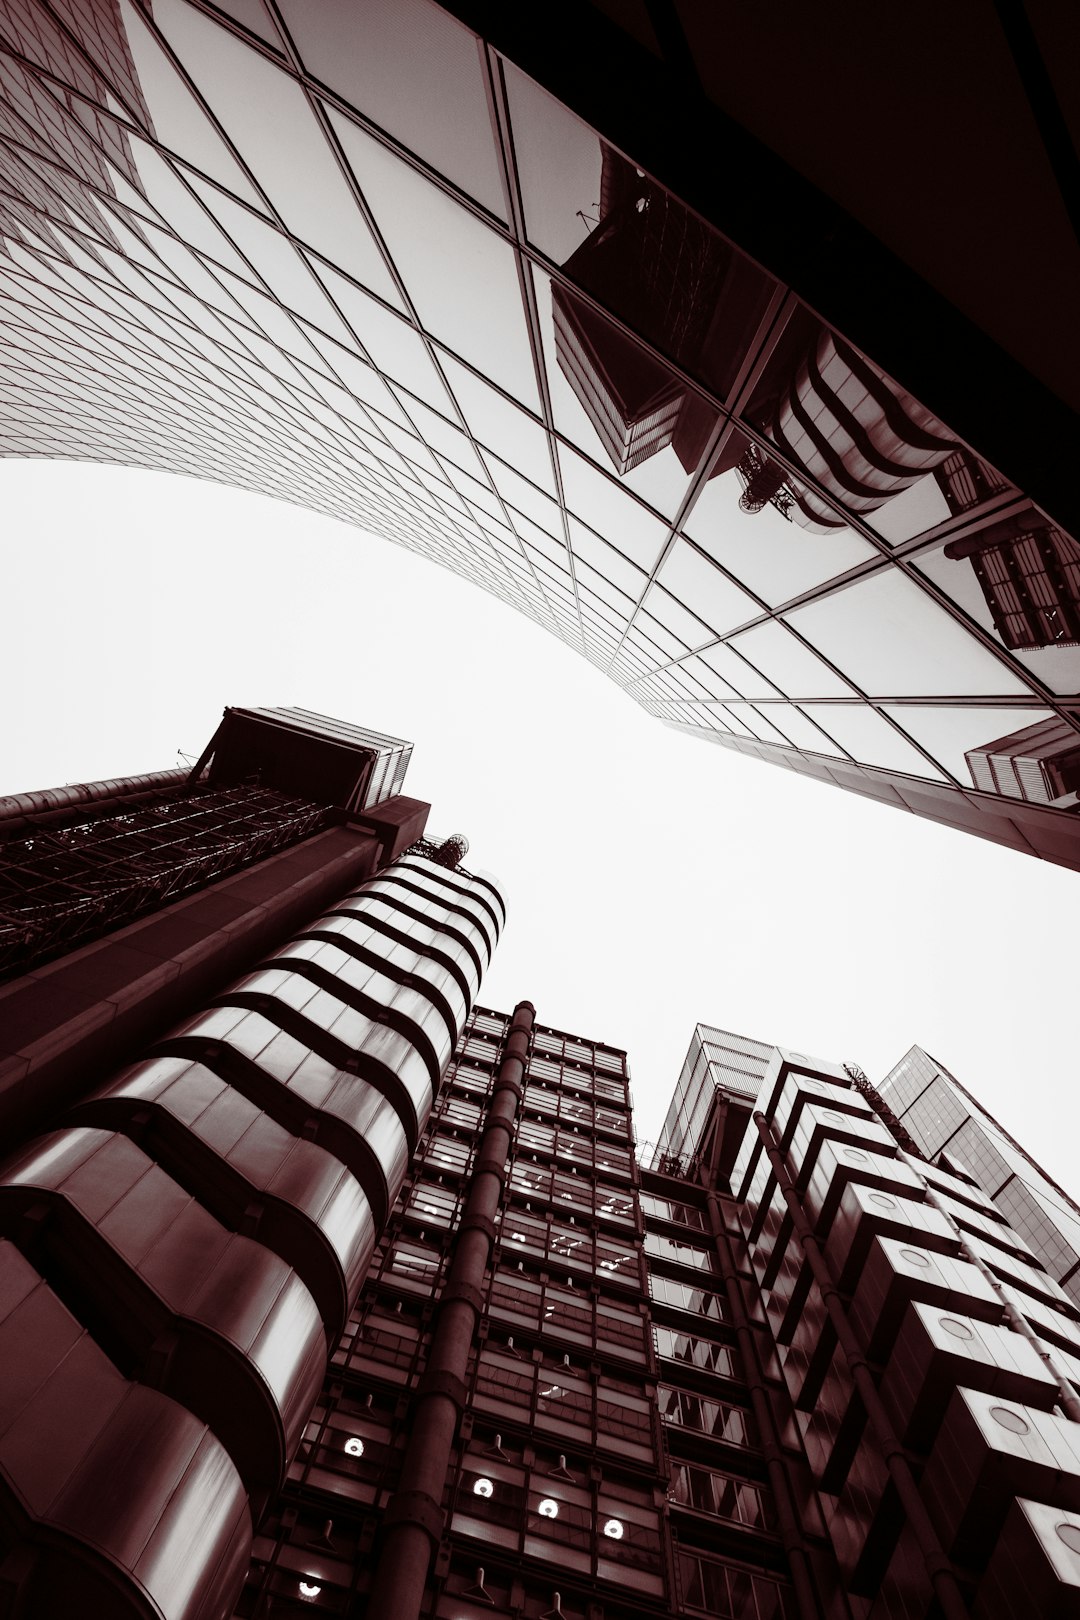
(287, 153)
(858, 436)
(869, 738)
(800, 731)
(467, 293)
(606, 509)
(176, 204)
(894, 641)
(771, 555)
(369, 53)
(952, 734)
(794, 669)
(179, 121)
(704, 589)
(637, 250)
(283, 268)
(1019, 578)
(617, 402)
(612, 565)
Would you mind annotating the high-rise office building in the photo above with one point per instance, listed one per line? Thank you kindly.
(324, 1290)
(929, 1356)
(950, 1126)
(207, 1160)
(731, 392)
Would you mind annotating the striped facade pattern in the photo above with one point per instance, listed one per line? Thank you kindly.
(932, 1361)
(178, 1259)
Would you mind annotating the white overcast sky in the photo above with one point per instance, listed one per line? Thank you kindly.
(653, 880)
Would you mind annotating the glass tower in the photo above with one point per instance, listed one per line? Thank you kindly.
(950, 1127)
(366, 260)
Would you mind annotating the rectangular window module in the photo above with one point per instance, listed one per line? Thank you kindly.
(556, 1511)
(731, 1424)
(705, 1354)
(686, 1297)
(683, 1254)
(709, 1587)
(705, 1490)
(606, 1411)
(669, 1209)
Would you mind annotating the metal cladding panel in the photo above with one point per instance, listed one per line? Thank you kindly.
(434, 880)
(347, 1036)
(988, 1451)
(353, 937)
(1035, 1566)
(1007, 1264)
(353, 1121)
(250, 1351)
(363, 983)
(452, 920)
(864, 1213)
(838, 1165)
(953, 1187)
(897, 1270)
(231, 1154)
(937, 1349)
(801, 1091)
(423, 933)
(297, 751)
(816, 1125)
(130, 1506)
(480, 889)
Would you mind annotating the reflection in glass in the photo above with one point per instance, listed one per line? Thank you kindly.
(1039, 763)
(836, 417)
(675, 282)
(1029, 575)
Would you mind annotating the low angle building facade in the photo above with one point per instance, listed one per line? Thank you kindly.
(565, 303)
(324, 1289)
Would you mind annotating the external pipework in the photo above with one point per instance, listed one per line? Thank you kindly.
(939, 1569)
(1070, 1405)
(794, 1543)
(18, 806)
(414, 1519)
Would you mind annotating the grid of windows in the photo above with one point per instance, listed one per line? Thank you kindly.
(971, 1147)
(528, 1304)
(572, 1191)
(1024, 1213)
(604, 1258)
(560, 1399)
(553, 1508)
(231, 229)
(687, 1410)
(935, 1116)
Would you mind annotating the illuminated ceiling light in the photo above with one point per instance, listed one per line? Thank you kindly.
(483, 1487)
(309, 1589)
(549, 1508)
(613, 1529)
(354, 1447)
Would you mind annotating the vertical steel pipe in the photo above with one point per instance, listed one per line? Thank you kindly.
(414, 1518)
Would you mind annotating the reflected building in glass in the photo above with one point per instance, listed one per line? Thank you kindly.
(786, 484)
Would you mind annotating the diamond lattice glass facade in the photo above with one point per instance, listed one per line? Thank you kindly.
(355, 258)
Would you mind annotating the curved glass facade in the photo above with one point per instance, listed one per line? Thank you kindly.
(373, 268)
